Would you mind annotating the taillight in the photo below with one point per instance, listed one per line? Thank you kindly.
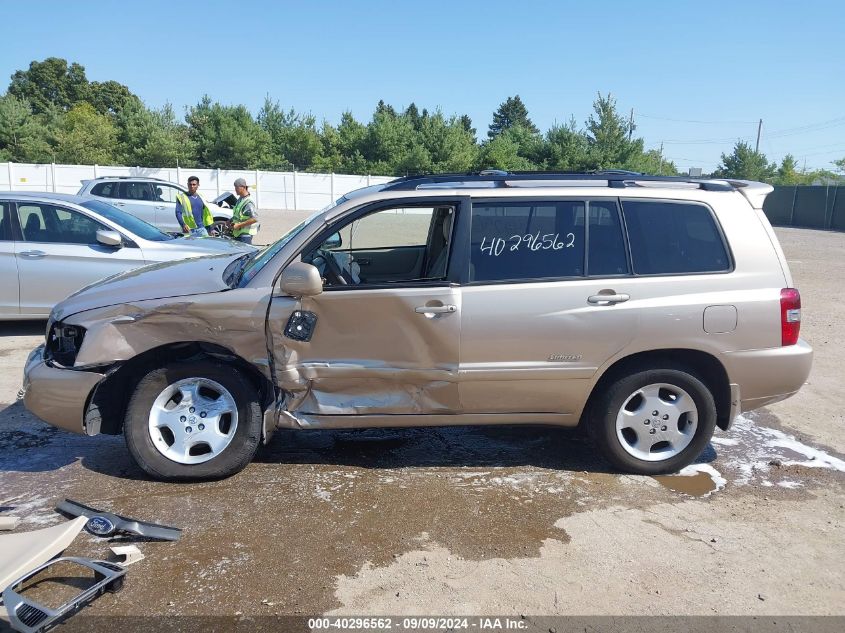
(790, 316)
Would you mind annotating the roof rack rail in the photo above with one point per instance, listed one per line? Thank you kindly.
(128, 178)
(616, 178)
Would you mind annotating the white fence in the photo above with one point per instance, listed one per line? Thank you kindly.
(299, 191)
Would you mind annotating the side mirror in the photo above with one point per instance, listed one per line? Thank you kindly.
(334, 241)
(301, 280)
(109, 238)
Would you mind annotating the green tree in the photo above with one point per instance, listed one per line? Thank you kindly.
(466, 123)
(503, 152)
(228, 136)
(85, 137)
(609, 141)
(24, 137)
(788, 174)
(449, 145)
(110, 97)
(153, 138)
(745, 164)
(511, 113)
(651, 162)
(391, 145)
(840, 165)
(295, 140)
(50, 83)
(566, 148)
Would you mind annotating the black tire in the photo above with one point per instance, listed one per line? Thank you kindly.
(232, 459)
(607, 406)
(220, 228)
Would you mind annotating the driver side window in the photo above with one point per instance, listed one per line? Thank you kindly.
(387, 246)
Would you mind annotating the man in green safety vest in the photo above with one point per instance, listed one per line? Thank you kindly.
(192, 213)
(244, 215)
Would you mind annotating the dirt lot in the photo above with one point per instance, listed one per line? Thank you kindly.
(475, 521)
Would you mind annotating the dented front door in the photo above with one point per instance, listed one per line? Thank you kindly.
(373, 351)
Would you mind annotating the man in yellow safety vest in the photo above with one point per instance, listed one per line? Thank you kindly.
(192, 213)
(244, 215)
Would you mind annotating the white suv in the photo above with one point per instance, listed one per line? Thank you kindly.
(151, 200)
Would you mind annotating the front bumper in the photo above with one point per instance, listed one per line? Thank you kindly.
(57, 396)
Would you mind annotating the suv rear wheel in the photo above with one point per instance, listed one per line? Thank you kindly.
(654, 421)
(196, 419)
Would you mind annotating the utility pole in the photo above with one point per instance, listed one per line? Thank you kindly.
(631, 125)
(759, 129)
(660, 164)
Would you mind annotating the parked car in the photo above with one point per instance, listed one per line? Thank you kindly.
(648, 310)
(153, 200)
(52, 245)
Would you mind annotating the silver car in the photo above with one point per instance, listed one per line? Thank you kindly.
(152, 200)
(52, 245)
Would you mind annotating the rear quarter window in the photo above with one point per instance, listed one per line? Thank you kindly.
(105, 190)
(673, 238)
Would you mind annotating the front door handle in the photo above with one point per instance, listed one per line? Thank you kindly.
(608, 299)
(436, 309)
(120, 204)
(33, 254)
(160, 207)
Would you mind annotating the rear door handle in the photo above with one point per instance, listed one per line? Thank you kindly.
(120, 204)
(436, 309)
(33, 254)
(160, 207)
(608, 299)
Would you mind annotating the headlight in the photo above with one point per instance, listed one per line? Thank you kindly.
(63, 343)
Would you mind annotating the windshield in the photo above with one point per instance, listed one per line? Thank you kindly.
(254, 266)
(129, 222)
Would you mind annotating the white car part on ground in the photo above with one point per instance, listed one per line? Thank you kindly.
(9, 523)
(125, 555)
(22, 552)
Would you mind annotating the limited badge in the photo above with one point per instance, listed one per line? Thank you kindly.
(301, 325)
(100, 526)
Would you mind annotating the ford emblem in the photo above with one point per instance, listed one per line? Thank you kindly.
(101, 526)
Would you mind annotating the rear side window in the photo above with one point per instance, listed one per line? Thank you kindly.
(527, 240)
(673, 237)
(105, 190)
(136, 191)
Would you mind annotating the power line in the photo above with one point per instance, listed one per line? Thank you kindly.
(706, 141)
(661, 118)
(837, 121)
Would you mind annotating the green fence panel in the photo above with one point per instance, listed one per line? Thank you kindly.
(837, 216)
(810, 207)
(778, 206)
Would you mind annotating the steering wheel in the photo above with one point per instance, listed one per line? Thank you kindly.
(341, 276)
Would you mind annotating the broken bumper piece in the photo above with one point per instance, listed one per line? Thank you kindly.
(101, 523)
(28, 616)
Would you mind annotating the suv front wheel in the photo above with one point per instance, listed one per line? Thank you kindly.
(654, 421)
(195, 419)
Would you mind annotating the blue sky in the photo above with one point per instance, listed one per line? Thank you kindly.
(716, 66)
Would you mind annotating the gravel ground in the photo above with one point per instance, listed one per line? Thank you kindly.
(471, 520)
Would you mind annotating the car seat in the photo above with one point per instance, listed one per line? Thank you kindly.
(438, 266)
(33, 231)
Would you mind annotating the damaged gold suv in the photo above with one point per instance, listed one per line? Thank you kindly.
(649, 310)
